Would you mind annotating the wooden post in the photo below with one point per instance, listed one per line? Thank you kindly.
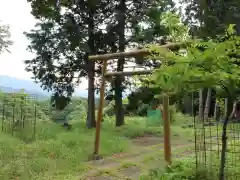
(100, 112)
(166, 126)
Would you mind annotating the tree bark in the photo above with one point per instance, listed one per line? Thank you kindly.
(233, 111)
(120, 64)
(91, 123)
(216, 111)
(225, 107)
(187, 104)
(201, 104)
(207, 103)
(229, 108)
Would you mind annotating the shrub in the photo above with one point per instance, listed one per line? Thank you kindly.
(181, 170)
(109, 110)
(172, 113)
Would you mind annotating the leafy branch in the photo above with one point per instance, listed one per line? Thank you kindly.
(204, 64)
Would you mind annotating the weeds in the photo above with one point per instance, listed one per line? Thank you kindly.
(58, 153)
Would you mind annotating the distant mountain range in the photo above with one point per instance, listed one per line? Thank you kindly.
(12, 84)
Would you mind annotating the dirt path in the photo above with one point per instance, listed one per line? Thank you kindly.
(147, 153)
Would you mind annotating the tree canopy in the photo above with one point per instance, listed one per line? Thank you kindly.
(70, 31)
(5, 40)
(206, 64)
(210, 18)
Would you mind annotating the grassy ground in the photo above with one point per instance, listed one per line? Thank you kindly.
(208, 155)
(60, 154)
(186, 169)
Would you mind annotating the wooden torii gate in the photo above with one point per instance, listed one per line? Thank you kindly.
(135, 53)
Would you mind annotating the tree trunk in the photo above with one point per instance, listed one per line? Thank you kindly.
(233, 111)
(216, 111)
(120, 64)
(225, 107)
(91, 123)
(229, 108)
(207, 103)
(201, 104)
(187, 104)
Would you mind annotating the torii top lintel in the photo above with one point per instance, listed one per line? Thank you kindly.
(134, 53)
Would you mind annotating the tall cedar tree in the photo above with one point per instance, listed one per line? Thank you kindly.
(129, 17)
(69, 33)
(66, 34)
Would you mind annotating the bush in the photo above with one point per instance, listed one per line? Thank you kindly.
(109, 110)
(20, 106)
(142, 109)
(172, 113)
(79, 113)
(185, 169)
(181, 170)
(76, 109)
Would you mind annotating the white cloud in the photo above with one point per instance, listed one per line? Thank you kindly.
(17, 15)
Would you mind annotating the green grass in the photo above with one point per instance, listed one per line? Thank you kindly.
(185, 168)
(61, 154)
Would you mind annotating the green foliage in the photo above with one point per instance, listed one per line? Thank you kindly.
(45, 106)
(125, 101)
(56, 153)
(20, 111)
(60, 154)
(19, 105)
(109, 109)
(144, 95)
(67, 31)
(62, 41)
(141, 99)
(75, 109)
(177, 30)
(199, 68)
(59, 102)
(79, 113)
(172, 113)
(210, 18)
(19, 115)
(150, 28)
(142, 109)
(181, 170)
(70, 31)
(185, 168)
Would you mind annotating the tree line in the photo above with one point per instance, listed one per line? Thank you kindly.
(69, 31)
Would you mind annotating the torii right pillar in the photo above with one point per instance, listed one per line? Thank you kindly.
(166, 130)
